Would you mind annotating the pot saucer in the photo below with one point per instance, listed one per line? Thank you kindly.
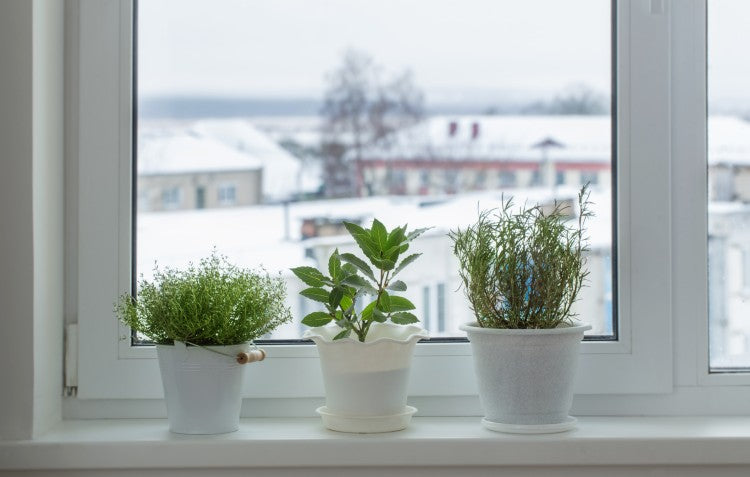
(568, 424)
(366, 424)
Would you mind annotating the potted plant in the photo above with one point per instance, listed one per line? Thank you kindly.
(365, 351)
(522, 271)
(203, 320)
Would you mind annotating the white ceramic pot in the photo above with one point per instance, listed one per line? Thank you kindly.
(202, 388)
(366, 382)
(525, 377)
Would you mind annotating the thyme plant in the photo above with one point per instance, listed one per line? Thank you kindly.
(212, 304)
(525, 269)
(350, 278)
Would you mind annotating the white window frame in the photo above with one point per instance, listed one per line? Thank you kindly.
(652, 368)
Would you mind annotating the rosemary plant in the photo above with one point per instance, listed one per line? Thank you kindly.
(525, 269)
(212, 304)
(351, 278)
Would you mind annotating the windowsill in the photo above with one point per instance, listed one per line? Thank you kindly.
(429, 442)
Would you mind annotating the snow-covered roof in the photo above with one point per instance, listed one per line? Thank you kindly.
(282, 176)
(516, 138)
(253, 236)
(513, 138)
(179, 152)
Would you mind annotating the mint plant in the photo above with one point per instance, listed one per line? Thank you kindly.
(350, 279)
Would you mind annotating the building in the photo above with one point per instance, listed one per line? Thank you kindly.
(178, 170)
(447, 155)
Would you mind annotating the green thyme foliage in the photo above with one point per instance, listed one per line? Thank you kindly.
(350, 279)
(523, 269)
(214, 303)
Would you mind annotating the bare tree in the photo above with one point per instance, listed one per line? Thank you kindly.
(361, 110)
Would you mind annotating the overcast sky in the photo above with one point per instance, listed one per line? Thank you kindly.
(456, 48)
(285, 47)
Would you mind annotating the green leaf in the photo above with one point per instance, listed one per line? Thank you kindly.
(360, 284)
(317, 318)
(396, 237)
(334, 265)
(379, 316)
(311, 276)
(317, 294)
(335, 297)
(366, 314)
(416, 233)
(346, 303)
(404, 318)
(363, 239)
(383, 264)
(392, 253)
(379, 234)
(360, 264)
(347, 270)
(384, 302)
(405, 262)
(398, 285)
(342, 335)
(399, 303)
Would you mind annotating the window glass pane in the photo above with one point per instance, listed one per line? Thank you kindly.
(263, 125)
(728, 185)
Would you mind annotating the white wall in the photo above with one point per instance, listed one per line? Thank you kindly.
(31, 201)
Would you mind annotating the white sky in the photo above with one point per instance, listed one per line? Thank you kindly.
(728, 41)
(285, 47)
(456, 48)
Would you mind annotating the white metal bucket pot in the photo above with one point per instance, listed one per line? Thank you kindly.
(202, 388)
(366, 383)
(526, 377)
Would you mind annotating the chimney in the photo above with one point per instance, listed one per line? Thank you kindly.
(474, 130)
(452, 128)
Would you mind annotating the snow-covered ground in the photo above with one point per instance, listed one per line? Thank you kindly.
(269, 236)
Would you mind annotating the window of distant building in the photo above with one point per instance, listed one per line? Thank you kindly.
(440, 307)
(507, 179)
(589, 177)
(480, 179)
(227, 194)
(171, 197)
(560, 178)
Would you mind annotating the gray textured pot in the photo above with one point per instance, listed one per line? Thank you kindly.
(525, 377)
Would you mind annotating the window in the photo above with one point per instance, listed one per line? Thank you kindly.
(591, 178)
(507, 178)
(171, 198)
(560, 178)
(650, 270)
(227, 194)
(426, 304)
(239, 136)
(729, 188)
(440, 307)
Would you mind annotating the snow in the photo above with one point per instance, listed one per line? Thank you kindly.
(255, 236)
(282, 172)
(583, 138)
(177, 151)
(512, 138)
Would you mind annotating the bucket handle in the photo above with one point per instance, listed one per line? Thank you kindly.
(243, 357)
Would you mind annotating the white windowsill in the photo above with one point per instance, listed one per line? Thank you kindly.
(429, 442)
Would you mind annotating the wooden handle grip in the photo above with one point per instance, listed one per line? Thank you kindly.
(251, 356)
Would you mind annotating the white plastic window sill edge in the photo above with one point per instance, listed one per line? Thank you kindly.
(429, 442)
